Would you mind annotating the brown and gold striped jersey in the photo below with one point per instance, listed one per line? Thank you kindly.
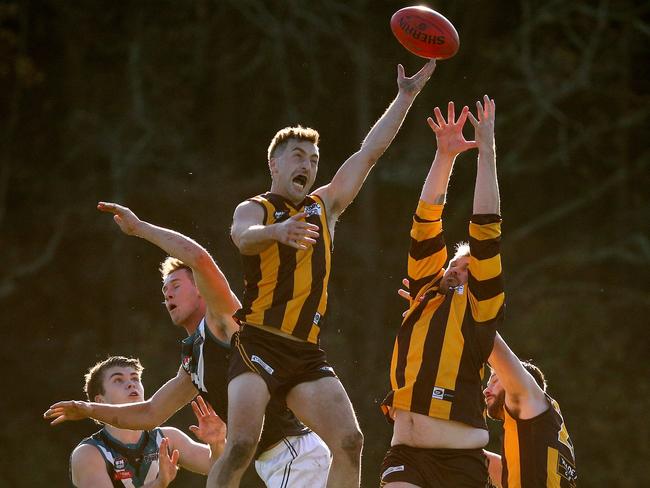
(286, 288)
(538, 452)
(445, 339)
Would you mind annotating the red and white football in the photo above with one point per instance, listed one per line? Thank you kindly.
(425, 32)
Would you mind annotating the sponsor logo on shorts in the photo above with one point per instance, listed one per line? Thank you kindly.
(566, 469)
(313, 209)
(260, 361)
(392, 469)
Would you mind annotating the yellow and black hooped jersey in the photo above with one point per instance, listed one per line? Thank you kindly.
(445, 339)
(538, 452)
(286, 288)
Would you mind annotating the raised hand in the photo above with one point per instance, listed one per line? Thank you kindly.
(71, 410)
(484, 124)
(211, 429)
(296, 232)
(167, 465)
(449, 133)
(123, 216)
(413, 84)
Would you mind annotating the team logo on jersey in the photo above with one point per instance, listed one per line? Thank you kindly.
(317, 318)
(186, 362)
(566, 469)
(119, 463)
(459, 289)
(260, 361)
(313, 209)
(278, 214)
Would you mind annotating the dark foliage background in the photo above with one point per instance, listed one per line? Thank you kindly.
(168, 107)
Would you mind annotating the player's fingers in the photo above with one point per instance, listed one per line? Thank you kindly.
(403, 293)
(201, 402)
(479, 110)
(472, 119)
(197, 410)
(406, 282)
(451, 113)
(432, 124)
(194, 429)
(175, 456)
(463, 116)
(439, 118)
(400, 71)
(298, 216)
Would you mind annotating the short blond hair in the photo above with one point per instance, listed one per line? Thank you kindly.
(281, 138)
(171, 264)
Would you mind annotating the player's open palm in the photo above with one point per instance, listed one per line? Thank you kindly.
(71, 410)
(296, 232)
(123, 216)
(210, 429)
(167, 465)
(484, 121)
(449, 133)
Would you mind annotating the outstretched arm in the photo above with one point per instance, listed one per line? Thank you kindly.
(450, 142)
(221, 302)
(428, 253)
(147, 415)
(486, 191)
(347, 181)
(524, 398)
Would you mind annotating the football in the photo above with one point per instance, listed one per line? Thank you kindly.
(425, 32)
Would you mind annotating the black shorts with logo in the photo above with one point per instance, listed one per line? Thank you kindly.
(282, 363)
(435, 468)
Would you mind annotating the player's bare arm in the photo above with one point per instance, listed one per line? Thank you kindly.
(88, 468)
(347, 181)
(212, 284)
(172, 396)
(252, 237)
(524, 397)
(486, 192)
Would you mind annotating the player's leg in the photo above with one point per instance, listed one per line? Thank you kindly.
(324, 406)
(299, 461)
(247, 399)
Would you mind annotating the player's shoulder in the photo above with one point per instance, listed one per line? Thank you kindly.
(85, 453)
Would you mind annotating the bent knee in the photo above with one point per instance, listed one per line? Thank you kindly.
(352, 443)
(239, 452)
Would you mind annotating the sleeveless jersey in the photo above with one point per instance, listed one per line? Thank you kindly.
(205, 358)
(286, 288)
(538, 452)
(128, 466)
(445, 339)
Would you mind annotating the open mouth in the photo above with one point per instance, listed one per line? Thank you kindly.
(300, 181)
(171, 307)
